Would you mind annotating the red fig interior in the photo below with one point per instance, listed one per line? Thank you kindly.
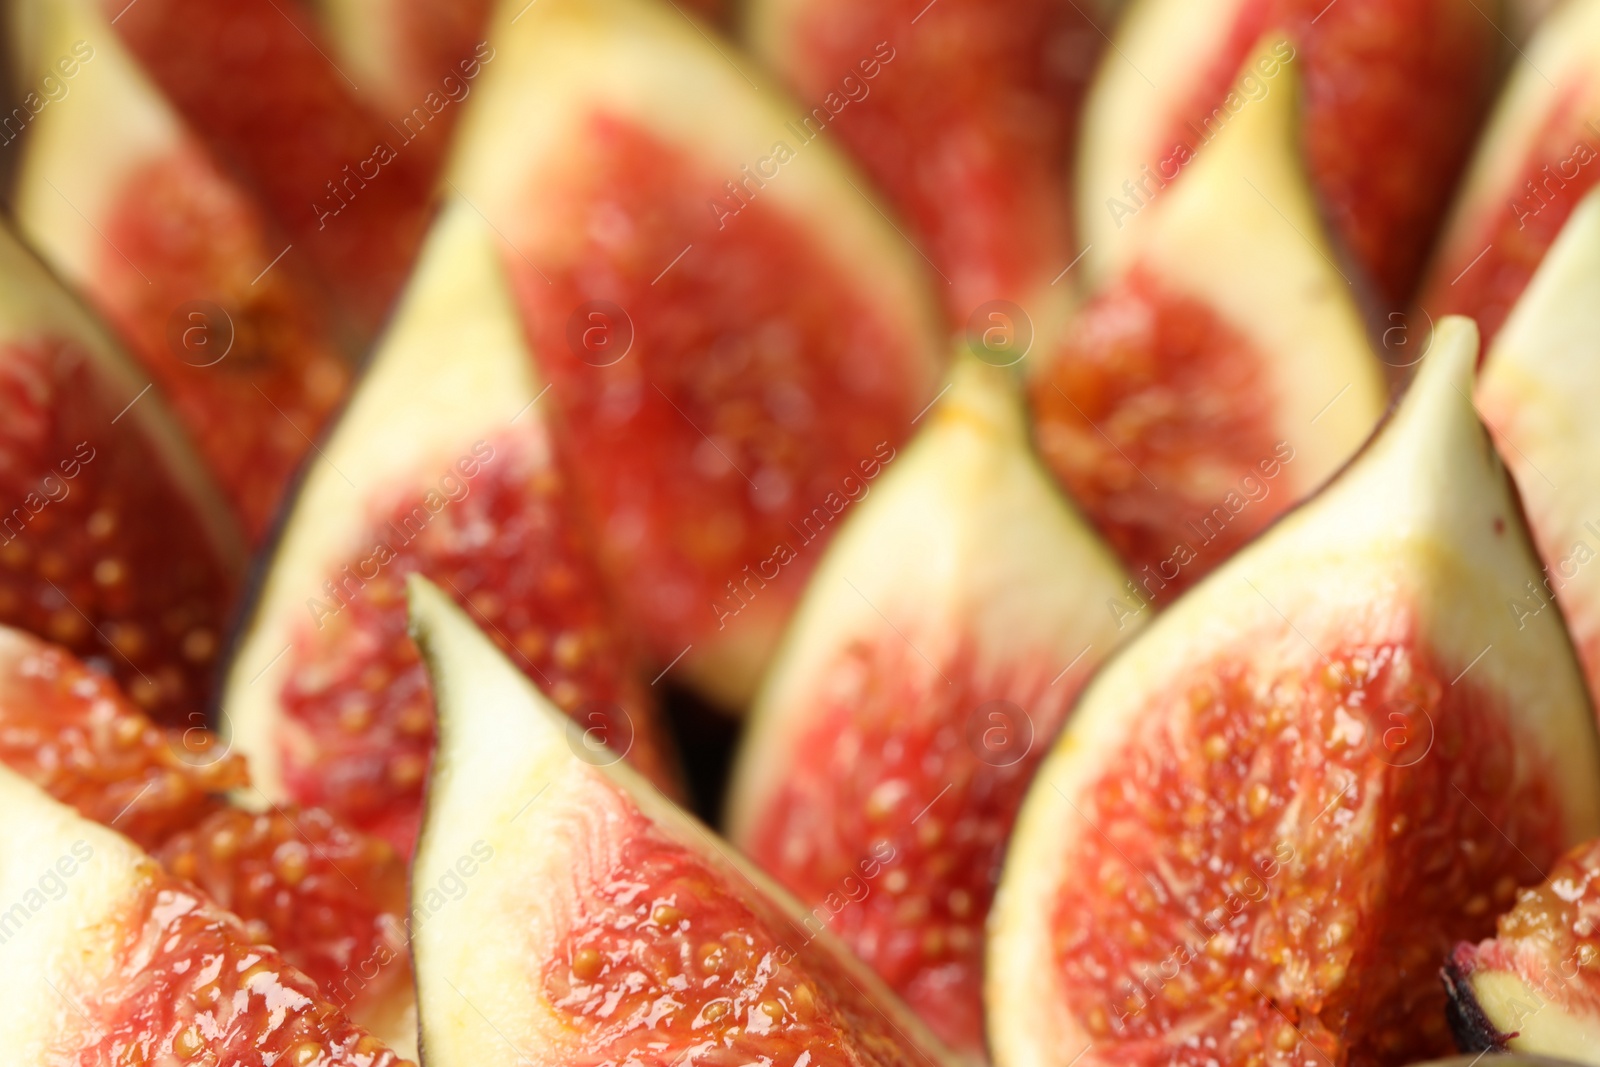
(112, 541)
(964, 113)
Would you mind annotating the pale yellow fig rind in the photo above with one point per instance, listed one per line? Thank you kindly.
(1539, 385)
(1162, 49)
(1542, 1028)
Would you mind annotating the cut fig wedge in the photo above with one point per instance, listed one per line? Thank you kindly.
(1276, 811)
(933, 657)
(127, 204)
(565, 912)
(109, 959)
(112, 540)
(350, 187)
(1223, 372)
(964, 113)
(440, 464)
(1537, 158)
(1394, 92)
(1536, 987)
(1539, 384)
(330, 899)
(720, 361)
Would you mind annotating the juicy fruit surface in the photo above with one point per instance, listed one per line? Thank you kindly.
(69, 731)
(666, 951)
(187, 985)
(330, 900)
(893, 819)
(1276, 871)
(756, 381)
(251, 78)
(1152, 414)
(1513, 237)
(1552, 937)
(99, 551)
(967, 126)
(1403, 82)
(357, 694)
(253, 390)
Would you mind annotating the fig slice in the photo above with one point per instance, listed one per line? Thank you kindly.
(440, 464)
(112, 540)
(933, 657)
(964, 113)
(179, 258)
(1223, 372)
(1536, 986)
(719, 362)
(563, 911)
(112, 960)
(1536, 159)
(1394, 93)
(330, 899)
(1536, 392)
(351, 188)
(1285, 801)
